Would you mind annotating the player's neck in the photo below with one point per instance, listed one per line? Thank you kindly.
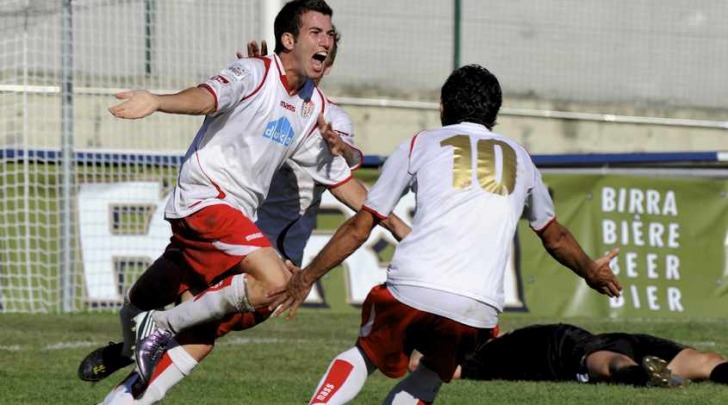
(294, 78)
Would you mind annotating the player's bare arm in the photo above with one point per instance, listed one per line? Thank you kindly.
(141, 103)
(347, 239)
(353, 193)
(560, 244)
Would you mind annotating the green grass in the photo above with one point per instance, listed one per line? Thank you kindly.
(280, 362)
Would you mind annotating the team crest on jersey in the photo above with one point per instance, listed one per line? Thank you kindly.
(279, 131)
(307, 108)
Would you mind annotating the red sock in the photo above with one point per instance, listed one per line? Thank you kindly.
(334, 379)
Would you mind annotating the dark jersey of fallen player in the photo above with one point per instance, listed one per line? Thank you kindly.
(555, 352)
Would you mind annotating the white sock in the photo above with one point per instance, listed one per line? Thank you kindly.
(343, 380)
(126, 315)
(227, 296)
(121, 394)
(421, 385)
(173, 367)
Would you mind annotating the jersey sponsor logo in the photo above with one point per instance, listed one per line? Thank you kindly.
(289, 107)
(279, 131)
(307, 108)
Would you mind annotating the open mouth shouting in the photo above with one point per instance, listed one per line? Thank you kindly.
(317, 61)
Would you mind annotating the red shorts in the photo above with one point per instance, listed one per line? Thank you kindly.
(214, 240)
(390, 330)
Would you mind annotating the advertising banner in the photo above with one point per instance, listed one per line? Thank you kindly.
(671, 231)
(672, 238)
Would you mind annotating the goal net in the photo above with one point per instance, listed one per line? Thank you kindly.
(122, 170)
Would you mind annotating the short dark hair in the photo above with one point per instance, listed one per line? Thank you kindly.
(289, 18)
(471, 94)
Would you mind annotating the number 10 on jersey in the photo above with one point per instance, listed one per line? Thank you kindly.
(495, 166)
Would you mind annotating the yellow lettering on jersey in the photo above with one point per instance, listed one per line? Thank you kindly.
(495, 167)
(462, 165)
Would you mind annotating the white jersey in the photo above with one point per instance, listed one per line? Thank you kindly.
(471, 187)
(256, 127)
(288, 215)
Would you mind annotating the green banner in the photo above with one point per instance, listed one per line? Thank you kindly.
(672, 238)
(671, 232)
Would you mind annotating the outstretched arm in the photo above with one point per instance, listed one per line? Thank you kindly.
(353, 194)
(347, 239)
(140, 103)
(562, 246)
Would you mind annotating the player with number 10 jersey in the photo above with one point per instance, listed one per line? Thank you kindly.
(472, 185)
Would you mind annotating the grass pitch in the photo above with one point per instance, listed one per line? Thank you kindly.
(280, 362)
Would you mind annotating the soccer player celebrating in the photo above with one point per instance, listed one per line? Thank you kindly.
(444, 286)
(260, 113)
(287, 217)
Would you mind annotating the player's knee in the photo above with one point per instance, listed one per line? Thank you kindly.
(266, 268)
(278, 281)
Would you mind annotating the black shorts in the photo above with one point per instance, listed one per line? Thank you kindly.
(634, 346)
(534, 353)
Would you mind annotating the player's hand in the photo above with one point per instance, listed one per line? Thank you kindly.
(336, 145)
(136, 104)
(290, 297)
(254, 51)
(601, 278)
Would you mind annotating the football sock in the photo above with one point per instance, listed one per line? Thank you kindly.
(720, 373)
(174, 366)
(630, 375)
(420, 387)
(126, 315)
(228, 296)
(343, 380)
(122, 393)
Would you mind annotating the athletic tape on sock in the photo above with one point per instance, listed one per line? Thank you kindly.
(242, 301)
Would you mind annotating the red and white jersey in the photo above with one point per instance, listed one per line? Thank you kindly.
(256, 127)
(288, 215)
(471, 187)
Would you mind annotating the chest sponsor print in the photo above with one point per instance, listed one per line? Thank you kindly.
(280, 131)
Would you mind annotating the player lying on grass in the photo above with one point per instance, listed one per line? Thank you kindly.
(563, 352)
